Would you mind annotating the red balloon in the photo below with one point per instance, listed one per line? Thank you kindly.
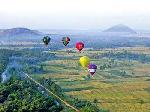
(79, 46)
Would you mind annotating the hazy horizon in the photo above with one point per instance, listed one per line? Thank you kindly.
(77, 14)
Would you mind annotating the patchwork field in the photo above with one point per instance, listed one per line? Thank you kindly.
(123, 86)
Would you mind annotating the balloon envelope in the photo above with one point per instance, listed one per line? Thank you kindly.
(84, 61)
(92, 68)
(65, 40)
(46, 40)
(79, 46)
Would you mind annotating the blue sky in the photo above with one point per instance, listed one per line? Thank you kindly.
(74, 14)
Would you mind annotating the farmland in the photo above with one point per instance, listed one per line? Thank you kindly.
(120, 85)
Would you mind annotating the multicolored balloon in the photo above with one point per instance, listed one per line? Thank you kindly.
(79, 46)
(65, 40)
(84, 61)
(92, 69)
(46, 40)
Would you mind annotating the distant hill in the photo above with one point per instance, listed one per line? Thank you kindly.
(120, 28)
(19, 32)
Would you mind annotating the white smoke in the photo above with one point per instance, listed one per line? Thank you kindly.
(6, 74)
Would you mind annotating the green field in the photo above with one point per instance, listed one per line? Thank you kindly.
(122, 87)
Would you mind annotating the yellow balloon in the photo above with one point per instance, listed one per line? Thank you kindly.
(84, 61)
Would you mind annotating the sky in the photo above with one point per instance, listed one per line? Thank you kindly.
(74, 14)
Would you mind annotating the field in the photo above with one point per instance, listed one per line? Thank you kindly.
(122, 87)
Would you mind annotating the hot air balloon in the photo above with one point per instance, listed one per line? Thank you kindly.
(92, 69)
(84, 61)
(65, 40)
(46, 40)
(79, 46)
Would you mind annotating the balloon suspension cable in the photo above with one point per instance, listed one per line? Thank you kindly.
(67, 104)
(85, 69)
(67, 50)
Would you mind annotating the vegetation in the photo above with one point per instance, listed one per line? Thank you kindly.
(120, 84)
(127, 56)
(24, 96)
(21, 94)
(4, 59)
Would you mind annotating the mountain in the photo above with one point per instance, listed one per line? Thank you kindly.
(120, 29)
(19, 32)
